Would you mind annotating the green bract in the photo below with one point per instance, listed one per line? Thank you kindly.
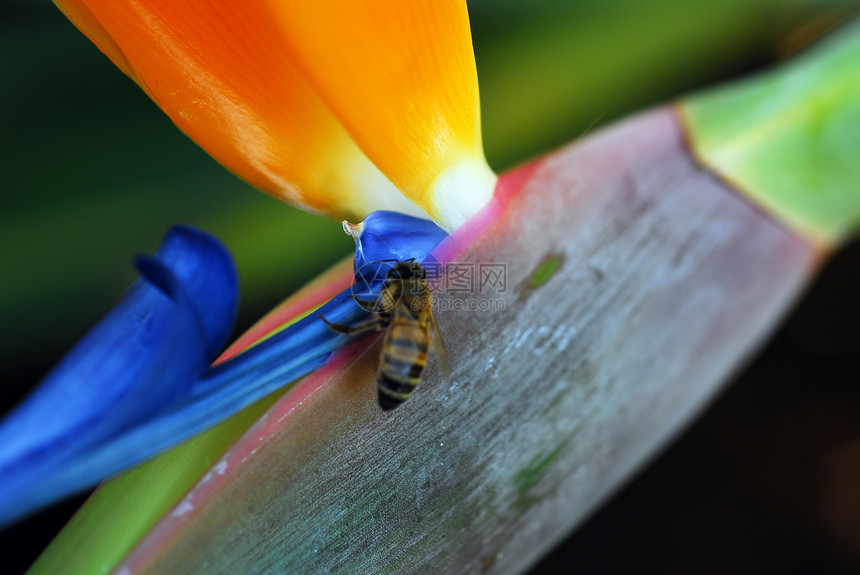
(790, 139)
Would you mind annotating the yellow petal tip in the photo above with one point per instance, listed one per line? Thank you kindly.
(460, 192)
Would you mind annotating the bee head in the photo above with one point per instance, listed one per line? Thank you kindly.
(407, 270)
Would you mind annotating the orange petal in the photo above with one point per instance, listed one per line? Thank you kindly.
(401, 77)
(77, 12)
(222, 72)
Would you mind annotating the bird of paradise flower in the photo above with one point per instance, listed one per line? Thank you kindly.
(257, 105)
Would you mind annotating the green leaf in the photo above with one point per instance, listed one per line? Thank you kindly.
(790, 139)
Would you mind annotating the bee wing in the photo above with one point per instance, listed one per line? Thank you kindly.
(439, 348)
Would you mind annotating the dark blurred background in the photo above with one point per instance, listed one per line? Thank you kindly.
(767, 481)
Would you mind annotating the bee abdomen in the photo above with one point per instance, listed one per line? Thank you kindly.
(397, 379)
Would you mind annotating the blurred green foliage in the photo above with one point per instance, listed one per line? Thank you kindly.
(549, 70)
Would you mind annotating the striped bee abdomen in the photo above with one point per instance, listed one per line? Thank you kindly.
(403, 359)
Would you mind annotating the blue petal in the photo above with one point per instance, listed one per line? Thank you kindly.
(138, 383)
(224, 391)
(387, 237)
(144, 354)
(204, 268)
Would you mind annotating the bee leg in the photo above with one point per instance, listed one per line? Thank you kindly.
(365, 304)
(349, 329)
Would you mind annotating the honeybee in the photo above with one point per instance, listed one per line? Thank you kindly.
(404, 310)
